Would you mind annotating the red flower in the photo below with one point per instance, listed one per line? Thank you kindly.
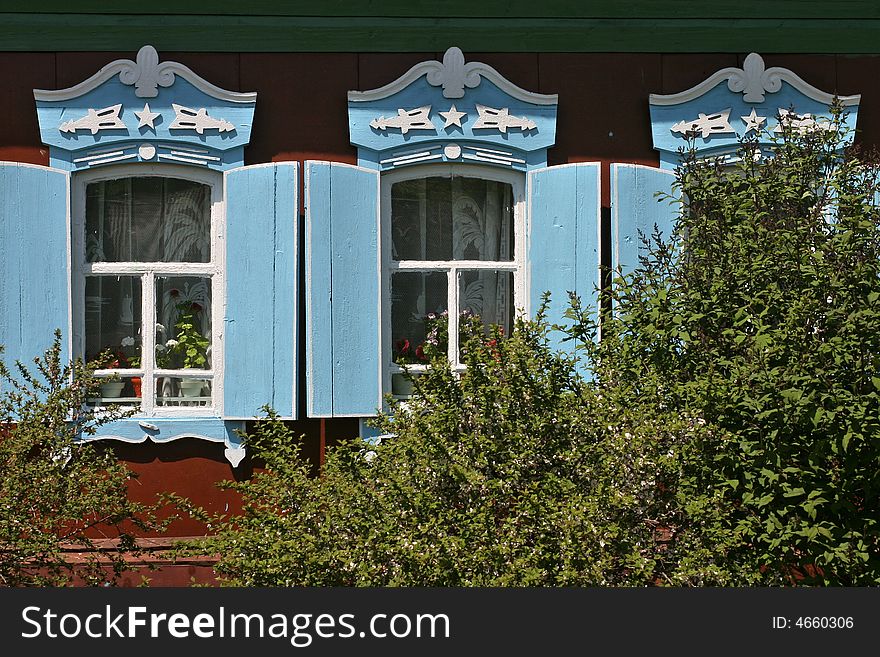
(174, 292)
(196, 307)
(420, 353)
(402, 346)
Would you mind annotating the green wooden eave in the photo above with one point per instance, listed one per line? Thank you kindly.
(815, 26)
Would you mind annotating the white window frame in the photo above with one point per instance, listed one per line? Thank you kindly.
(517, 181)
(149, 271)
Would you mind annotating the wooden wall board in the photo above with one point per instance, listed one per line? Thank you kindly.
(603, 108)
(463, 8)
(683, 71)
(19, 132)
(255, 33)
(301, 106)
(858, 74)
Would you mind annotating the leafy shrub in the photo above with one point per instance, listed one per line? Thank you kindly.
(58, 493)
(514, 472)
(729, 434)
(762, 316)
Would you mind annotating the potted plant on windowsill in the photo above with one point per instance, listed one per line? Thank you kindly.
(189, 347)
(435, 344)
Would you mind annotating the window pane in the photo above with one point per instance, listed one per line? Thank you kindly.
(452, 219)
(485, 298)
(418, 316)
(113, 320)
(177, 391)
(124, 392)
(148, 220)
(183, 329)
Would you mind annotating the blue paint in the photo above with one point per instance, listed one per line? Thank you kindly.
(370, 434)
(261, 290)
(664, 117)
(638, 203)
(319, 325)
(219, 150)
(130, 430)
(563, 249)
(34, 267)
(375, 145)
(342, 274)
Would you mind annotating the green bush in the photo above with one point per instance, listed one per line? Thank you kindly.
(729, 433)
(762, 316)
(516, 472)
(57, 493)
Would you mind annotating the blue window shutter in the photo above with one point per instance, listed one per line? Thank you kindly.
(34, 267)
(342, 290)
(260, 365)
(564, 235)
(635, 210)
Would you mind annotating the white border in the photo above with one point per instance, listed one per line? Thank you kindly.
(145, 74)
(215, 268)
(452, 73)
(519, 266)
(752, 80)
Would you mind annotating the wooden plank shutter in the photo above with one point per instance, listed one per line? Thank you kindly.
(343, 319)
(564, 235)
(260, 364)
(636, 209)
(34, 264)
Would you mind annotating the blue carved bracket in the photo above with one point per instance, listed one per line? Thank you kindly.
(144, 111)
(735, 102)
(451, 111)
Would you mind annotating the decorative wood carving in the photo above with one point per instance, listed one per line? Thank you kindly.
(453, 75)
(799, 122)
(752, 80)
(501, 120)
(753, 122)
(146, 117)
(95, 120)
(147, 75)
(198, 120)
(452, 117)
(406, 120)
(706, 124)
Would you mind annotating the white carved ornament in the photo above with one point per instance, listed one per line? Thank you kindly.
(147, 75)
(752, 80)
(500, 119)
(198, 120)
(453, 75)
(753, 121)
(452, 117)
(406, 120)
(799, 122)
(706, 124)
(102, 119)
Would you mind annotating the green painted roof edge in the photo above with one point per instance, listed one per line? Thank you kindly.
(23, 32)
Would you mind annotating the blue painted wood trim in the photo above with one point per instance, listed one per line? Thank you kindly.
(163, 430)
(564, 239)
(34, 268)
(342, 278)
(261, 290)
(637, 206)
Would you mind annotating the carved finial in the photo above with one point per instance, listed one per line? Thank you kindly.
(453, 74)
(146, 74)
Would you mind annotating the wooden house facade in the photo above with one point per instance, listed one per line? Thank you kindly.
(285, 208)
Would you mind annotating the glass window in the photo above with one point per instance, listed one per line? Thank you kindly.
(453, 253)
(148, 262)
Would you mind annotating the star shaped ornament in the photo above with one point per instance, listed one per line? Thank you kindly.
(753, 121)
(146, 117)
(452, 117)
